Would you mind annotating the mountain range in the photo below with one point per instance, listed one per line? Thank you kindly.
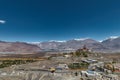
(109, 45)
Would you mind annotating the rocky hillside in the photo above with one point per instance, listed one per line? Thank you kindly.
(18, 47)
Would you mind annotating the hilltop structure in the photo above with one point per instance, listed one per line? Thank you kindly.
(84, 49)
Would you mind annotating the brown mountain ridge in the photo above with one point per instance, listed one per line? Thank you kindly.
(18, 47)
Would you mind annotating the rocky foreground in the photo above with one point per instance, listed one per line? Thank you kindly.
(40, 71)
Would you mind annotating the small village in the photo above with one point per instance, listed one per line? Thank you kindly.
(82, 64)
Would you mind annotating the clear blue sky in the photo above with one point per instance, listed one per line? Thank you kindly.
(42, 20)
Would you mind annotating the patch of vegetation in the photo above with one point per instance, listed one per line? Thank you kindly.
(7, 63)
(82, 53)
(78, 65)
(49, 58)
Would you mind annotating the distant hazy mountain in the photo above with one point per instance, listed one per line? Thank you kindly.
(49, 45)
(76, 44)
(18, 47)
(111, 44)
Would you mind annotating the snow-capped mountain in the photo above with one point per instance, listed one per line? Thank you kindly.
(113, 43)
(73, 44)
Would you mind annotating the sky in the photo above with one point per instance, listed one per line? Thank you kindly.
(43, 20)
